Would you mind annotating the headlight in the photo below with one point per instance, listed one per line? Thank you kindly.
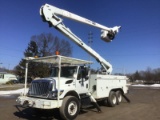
(54, 94)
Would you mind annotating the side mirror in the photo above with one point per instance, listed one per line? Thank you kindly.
(87, 77)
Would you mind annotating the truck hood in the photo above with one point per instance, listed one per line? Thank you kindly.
(63, 81)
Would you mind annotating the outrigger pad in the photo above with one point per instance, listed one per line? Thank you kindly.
(97, 106)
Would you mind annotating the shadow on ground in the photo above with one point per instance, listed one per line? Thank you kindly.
(36, 114)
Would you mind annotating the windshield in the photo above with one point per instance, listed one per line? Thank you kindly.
(66, 71)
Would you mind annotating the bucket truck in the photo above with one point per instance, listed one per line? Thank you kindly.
(71, 85)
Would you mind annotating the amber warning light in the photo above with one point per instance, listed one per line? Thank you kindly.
(57, 53)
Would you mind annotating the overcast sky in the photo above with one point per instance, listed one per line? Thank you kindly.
(136, 46)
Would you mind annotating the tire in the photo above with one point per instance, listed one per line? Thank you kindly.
(119, 97)
(112, 99)
(105, 102)
(70, 108)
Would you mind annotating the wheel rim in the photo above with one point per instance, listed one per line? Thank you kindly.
(114, 100)
(72, 108)
(119, 97)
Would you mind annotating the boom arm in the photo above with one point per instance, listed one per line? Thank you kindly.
(49, 14)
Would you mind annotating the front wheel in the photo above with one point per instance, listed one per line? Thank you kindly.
(70, 108)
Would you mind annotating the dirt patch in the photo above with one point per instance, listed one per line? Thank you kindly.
(144, 106)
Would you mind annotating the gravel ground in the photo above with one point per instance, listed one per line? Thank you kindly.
(144, 106)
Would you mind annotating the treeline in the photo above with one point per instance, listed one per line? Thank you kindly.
(147, 76)
(3, 69)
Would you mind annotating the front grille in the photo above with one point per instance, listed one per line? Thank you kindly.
(40, 88)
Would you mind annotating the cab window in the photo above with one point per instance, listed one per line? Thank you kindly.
(82, 73)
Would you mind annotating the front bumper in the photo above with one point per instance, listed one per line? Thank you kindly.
(38, 102)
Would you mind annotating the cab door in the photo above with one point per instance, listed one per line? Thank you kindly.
(82, 82)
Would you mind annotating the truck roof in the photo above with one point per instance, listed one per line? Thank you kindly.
(58, 59)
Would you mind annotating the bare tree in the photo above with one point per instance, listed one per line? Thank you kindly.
(42, 45)
(48, 45)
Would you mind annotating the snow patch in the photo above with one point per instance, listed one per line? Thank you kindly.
(141, 85)
(19, 91)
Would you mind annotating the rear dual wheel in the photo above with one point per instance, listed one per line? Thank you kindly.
(119, 97)
(114, 98)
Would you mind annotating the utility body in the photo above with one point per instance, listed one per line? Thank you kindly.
(71, 85)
